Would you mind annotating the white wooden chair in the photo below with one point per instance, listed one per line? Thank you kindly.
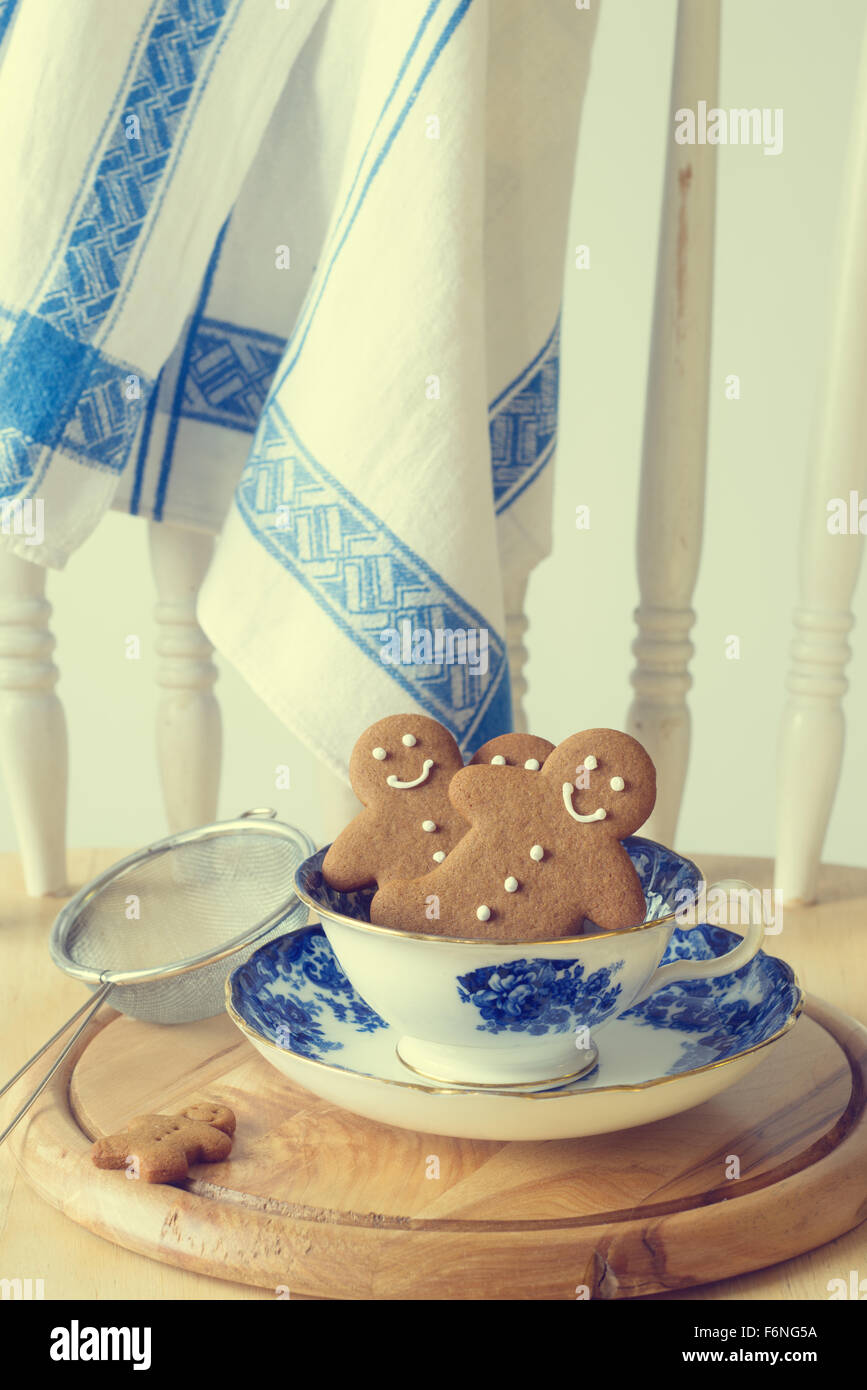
(32, 726)
(33, 741)
(671, 500)
(813, 729)
(672, 485)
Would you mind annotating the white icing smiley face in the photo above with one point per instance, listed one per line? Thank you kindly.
(416, 782)
(408, 741)
(599, 814)
(402, 752)
(616, 784)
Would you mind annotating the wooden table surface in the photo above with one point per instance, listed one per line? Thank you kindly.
(827, 945)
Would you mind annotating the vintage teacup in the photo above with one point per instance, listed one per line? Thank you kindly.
(510, 1014)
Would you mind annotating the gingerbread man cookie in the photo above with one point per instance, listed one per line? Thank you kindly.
(160, 1148)
(513, 750)
(543, 852)
(400, 769)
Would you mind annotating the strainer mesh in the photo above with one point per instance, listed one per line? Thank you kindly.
(186, 900)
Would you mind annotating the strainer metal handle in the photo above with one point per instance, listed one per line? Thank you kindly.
(88, 1008)
(103, 981)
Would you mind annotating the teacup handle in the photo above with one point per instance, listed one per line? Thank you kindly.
(719, 965)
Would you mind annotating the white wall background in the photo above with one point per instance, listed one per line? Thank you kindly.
(775, 241)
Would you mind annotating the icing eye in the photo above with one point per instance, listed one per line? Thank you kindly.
(498, 761)
(532, 764)
(409, 740)
(617, 784)
(590, 762)
(379, 754)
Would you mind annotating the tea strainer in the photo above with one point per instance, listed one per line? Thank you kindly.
(159, 926)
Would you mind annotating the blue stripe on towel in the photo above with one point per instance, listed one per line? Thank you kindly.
(367, 580)
(18, 459)
(523, 424)
(144, 443)
(228, 371)
(59, 393)
(56, 389)
(198, 68)
(82, 192)
(224, 380)
(299, 338)
(552, 340)
(7, 9)
(192, 330)
(131, 172)
(401, 72)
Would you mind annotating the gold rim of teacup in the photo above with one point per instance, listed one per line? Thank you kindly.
(401, 933)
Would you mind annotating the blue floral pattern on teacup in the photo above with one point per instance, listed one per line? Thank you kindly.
(743, 1004)
(293, 993)
(539, 996)
(287, 990)
(663, 875)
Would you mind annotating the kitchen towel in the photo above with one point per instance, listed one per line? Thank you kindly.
(294, 270)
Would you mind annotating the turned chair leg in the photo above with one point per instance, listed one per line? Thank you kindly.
(33, 740)
(189, 727)
(812, 736)
(813, 728)
(671, 504)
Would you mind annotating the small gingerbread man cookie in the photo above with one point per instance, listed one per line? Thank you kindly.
(513, 750)
(543, 850)
(400, 769)
(160, 1148)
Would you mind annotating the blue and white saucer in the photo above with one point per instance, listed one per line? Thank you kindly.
(679, 1048)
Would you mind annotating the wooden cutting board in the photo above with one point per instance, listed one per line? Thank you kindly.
(320, 1202)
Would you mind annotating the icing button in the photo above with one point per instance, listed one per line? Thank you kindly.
(511, 884)
(428, 825)
(439, 856)
(532, 764)
(483, 913)
(536, 853)
(498, 761)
